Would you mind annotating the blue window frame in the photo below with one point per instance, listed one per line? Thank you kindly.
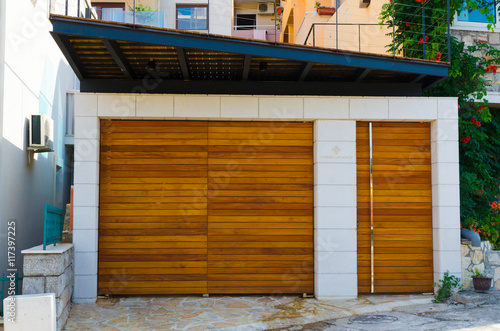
(475, 16)
(192, 17)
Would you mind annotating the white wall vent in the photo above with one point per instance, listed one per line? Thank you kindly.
(41, 134)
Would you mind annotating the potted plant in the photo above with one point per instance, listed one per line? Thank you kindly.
(481, 281)
(322, 10)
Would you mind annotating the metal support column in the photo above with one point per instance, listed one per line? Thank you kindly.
(372, 259)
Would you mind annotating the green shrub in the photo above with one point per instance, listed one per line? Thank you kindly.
(446, 287)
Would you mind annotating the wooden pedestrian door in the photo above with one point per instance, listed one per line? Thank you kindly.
(190, 207)
(394, 208)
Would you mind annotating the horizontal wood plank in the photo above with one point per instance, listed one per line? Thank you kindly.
(216, 207)
(402, 208)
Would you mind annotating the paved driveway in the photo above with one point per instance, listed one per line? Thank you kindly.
(223, 312)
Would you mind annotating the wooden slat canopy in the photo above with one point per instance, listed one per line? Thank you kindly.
(188, 62)
(205, 207)
(402, 208)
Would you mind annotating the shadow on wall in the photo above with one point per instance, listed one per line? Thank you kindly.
(29, 180)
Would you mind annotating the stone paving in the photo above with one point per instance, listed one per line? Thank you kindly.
(422, 317)
(224, 312)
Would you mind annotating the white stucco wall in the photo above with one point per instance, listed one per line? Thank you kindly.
(35, 80)
(335, 245)
(220, 14)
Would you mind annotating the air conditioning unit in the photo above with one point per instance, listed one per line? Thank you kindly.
(41, 134)
(265, 8)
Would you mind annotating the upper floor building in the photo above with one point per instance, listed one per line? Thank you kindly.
(250, 19)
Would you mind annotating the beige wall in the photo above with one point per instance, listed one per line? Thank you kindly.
(364, 38)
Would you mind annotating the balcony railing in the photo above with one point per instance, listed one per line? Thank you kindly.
(414, 31)
(258, 32)
(360, 37)
(83, 8)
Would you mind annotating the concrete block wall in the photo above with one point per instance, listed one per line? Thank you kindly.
(493, 267)
(51, 271)
(470, 37)
(335, 248)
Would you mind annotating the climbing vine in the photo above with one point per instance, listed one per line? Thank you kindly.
(471, 69)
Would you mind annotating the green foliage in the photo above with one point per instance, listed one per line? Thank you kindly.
(140, 7)
(479, 129)
(446, 287)
(478, 273)
(479, 134)
(145, 14)
(417, 23)
(317, 4)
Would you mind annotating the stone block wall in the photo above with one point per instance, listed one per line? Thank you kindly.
(484, 258)
(493, 267)
(491, 38)
(51, 271)
(67, 233)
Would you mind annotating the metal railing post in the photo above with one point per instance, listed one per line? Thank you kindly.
(275, 22)
(423, 28)
(393, 30)
(314, 34)
(359, 38)
(448, 32)
(66, 9)
(78, 9)
(134, 12)
(337, 24)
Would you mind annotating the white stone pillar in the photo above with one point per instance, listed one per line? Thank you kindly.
(445, 190)
(335, 247)
(86, 197)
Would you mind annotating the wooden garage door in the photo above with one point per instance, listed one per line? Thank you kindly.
(154, 233)
(260, 207)
(402, 208)
(153, 207)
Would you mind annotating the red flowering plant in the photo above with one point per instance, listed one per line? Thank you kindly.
(491, 68)
(489, 226)
(479, 138)
(418, 25)
(479, 128)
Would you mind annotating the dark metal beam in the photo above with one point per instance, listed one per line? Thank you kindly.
(183, 62)
(250, 87)
(304, 71)
(361, 74)
(432, 83)
(70, 54)
(418, 79)
(90, 29)
(119, 57)
(246, 66)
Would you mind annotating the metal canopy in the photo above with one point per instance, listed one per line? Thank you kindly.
(117, 57)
